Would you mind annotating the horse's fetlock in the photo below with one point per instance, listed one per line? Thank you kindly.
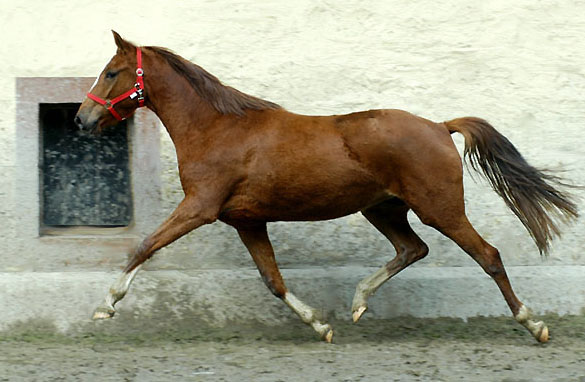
(523, 314)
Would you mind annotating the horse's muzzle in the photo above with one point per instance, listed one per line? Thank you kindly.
(81, 120)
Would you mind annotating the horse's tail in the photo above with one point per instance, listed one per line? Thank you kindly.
(527, 191)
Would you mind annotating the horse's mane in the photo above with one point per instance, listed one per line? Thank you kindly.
(224, 99)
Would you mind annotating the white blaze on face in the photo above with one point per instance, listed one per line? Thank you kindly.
(96, 80)
(94, 84)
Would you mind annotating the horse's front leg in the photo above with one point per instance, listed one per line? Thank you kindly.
(187, 216)
(258, 244)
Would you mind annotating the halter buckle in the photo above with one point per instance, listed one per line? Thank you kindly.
(140, 91)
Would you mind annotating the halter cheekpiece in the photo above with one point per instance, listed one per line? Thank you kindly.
(136, 92)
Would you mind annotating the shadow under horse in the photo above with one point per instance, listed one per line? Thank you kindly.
(247, 161)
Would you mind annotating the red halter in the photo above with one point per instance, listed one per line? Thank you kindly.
(136, 91)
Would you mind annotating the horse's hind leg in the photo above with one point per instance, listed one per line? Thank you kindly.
(390, 218)
(258, 244)
(489, 259)
(446, 213)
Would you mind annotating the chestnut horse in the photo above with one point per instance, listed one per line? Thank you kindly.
(246, 161)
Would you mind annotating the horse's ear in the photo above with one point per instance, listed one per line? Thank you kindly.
(123, 45)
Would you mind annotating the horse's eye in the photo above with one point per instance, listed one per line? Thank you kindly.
(110, 74)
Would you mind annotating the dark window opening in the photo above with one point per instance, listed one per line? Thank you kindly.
(84, 178)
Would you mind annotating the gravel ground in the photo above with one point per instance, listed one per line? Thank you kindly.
(482, 349)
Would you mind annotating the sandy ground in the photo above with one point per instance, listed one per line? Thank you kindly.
(483, 349)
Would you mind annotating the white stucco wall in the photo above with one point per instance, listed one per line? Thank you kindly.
(518, 64)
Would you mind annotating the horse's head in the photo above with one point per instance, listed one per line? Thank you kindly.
(117, 92)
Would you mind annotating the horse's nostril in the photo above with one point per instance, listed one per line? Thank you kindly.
(78, 122)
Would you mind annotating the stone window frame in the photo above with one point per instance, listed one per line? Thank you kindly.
(144, 157)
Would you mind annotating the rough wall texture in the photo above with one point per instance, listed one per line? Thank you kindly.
(517, 64)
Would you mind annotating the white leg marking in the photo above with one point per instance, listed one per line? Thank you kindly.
(119, 288)
(307, 314)
(116, 293)
(304, 311)
(365, 289)
(538, 329)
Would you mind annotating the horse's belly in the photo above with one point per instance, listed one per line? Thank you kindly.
(306, 199)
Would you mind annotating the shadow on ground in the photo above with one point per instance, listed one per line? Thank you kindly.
(493, 330)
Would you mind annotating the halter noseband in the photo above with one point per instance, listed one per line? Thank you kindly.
(136, 91)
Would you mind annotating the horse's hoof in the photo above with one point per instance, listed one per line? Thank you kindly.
(103, 313)
(358, 313)
(328, 337)
(542, 334)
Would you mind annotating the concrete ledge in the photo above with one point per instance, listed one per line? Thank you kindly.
(161, 299)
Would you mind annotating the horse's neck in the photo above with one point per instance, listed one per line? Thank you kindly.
(182, 111)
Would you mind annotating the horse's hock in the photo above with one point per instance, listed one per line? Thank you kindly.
(55, 271)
